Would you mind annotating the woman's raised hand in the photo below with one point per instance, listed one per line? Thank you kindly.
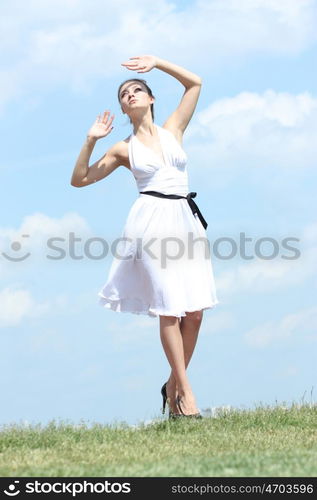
(102, 126)
(141, 64)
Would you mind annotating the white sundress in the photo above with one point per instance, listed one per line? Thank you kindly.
(162, 263)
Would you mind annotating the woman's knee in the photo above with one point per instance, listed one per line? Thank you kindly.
(196, 316)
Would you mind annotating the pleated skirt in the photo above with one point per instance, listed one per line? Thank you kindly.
(162, 262)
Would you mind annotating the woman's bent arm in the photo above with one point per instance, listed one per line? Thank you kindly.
(83, 175)
(143, 64)
(82, 163)
(187, 78)
(180, 118)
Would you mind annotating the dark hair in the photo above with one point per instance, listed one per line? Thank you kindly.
(149, 91)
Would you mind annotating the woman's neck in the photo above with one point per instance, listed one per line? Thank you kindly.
(145, 126)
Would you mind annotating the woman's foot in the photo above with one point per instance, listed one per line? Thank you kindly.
(186, 403)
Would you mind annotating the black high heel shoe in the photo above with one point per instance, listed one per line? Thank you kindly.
(164, 396)
(166, 400)
(191, 415)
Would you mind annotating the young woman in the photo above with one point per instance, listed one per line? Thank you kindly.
(162, 267)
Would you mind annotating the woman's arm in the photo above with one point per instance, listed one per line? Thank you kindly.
(82, 164)
(180, 118)
(187, 78)
(83, 175)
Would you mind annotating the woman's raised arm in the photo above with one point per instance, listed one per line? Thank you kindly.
(180, 118)
(83, 175)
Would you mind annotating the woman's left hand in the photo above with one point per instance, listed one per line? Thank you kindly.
(141, 64)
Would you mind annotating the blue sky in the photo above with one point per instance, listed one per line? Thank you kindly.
(251, 158)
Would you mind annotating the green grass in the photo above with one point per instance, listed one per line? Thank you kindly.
(267, 441)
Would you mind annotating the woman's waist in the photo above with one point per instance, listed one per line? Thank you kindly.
(172, 185)
(180, 189)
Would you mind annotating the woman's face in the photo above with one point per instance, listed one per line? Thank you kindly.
(134, 95)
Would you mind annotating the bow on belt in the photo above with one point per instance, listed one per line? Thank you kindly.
(189, 198)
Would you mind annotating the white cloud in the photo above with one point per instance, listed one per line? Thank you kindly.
(269, 129)
(265, 275)
(260, 275)
(74, 42)
(18, 304)
(40, 224)
(33, 234)
(303, 324)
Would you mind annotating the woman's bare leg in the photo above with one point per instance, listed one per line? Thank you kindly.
(189, 327)
(173, 343)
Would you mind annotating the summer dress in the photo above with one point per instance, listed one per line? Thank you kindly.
(162, 264)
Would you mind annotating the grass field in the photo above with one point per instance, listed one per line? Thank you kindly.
(267, 441)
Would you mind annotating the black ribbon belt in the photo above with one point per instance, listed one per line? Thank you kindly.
(189, 198)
